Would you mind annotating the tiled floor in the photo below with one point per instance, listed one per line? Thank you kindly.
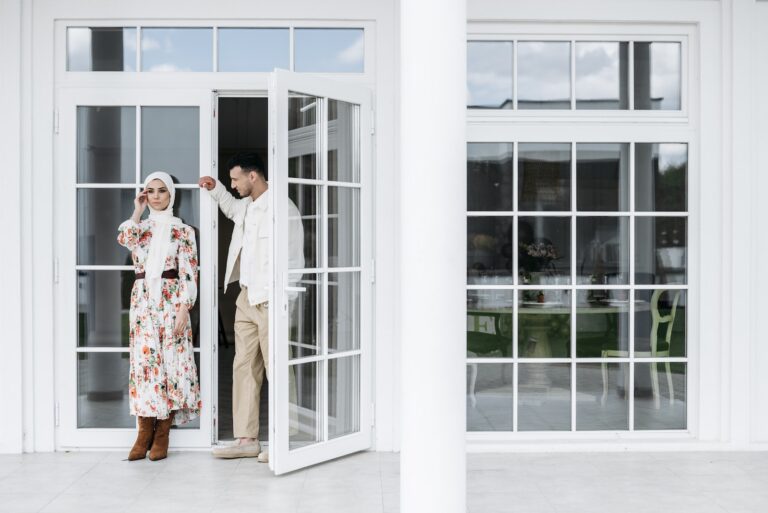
(192, 482)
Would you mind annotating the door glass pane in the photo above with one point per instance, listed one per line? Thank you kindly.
(343, 227)
(660, 396)
(544, 250)
(106, 144)
(602, 177)
(489, 75)
(303, 405)
(304, 317)
(490, 176)
(343, 142)
(103, 305)
(602, 250)
(660, 250)
(544, 397)
(543, 75)
(170, 142)
(236, 49)
(660, 320)
(320, 50)
(544, 176)
(306, 198)
(101, 49)
(489, 323)
(343, 396)
(658, 75)
(602, 75)
(602, 402)
(661, 177)
(490, 404)
(544, 324)
(602, 323)
(99, 213)
(343, 311)
(489, 250)
(102, 391)
(176, 49)
(302, 136)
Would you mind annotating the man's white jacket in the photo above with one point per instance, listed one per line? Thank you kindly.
(259, 274)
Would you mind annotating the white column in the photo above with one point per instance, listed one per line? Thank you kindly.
(433, 198)
(11, 427)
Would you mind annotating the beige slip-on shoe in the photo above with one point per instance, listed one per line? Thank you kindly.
(263, 457)
(246, 450)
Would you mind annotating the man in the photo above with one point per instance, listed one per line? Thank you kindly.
(248, 260)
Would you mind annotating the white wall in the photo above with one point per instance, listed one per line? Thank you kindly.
(10, 256)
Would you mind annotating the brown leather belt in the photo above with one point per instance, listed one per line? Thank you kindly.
(170, 274)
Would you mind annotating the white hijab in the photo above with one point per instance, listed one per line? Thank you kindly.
(161, 238)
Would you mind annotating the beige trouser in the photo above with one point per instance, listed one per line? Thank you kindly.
(250, 364)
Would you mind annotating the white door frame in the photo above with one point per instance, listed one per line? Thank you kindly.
(65, 145)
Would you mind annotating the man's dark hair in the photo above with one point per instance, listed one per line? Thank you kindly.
(248, 161)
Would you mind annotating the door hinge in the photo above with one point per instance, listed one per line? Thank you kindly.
(57, 414)
(55, 270)
(55, 121)
(373, 122)
(373, 271)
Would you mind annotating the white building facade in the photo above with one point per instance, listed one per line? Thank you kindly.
(605, 206)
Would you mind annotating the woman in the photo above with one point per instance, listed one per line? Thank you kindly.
(163, 386)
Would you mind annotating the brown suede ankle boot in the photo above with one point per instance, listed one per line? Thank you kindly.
(159, 449)
(143, 439)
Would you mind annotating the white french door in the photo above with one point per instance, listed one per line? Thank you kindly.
(106, 142)
(320, 344)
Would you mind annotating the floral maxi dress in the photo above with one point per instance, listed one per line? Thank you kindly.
(163, 375)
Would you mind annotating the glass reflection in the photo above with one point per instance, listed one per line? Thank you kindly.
(99, 213)
(602, 323)
(103, 304)
(490, 404)
(661, 177)
(343, 311)
(343, 227)
(544, 397)
(602, 75)
(660, 320)
(170, 142)
(236, 49)
(302, 136)
(544, 250)
(102, 391)
(543, 75)
(101, 49)
(489, 250)
(307, 201)
(601, 399)
(660, 396)
(176, 49)
(343, 396)
(320, 50)
(544, 324)
(660, 250)
(489, 75)
(302, 407)
(489, 323)
(343, 142)
(544, 182)
(658, 72)
(602, 250)
(304, 317)
(490, 176)
(602, 177)
(106, 144)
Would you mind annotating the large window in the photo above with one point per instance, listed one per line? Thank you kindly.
(577, 286)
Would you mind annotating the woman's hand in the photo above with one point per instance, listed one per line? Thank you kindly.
(182, 316)
(139, 204)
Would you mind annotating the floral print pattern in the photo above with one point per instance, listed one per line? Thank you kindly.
(163, 375)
